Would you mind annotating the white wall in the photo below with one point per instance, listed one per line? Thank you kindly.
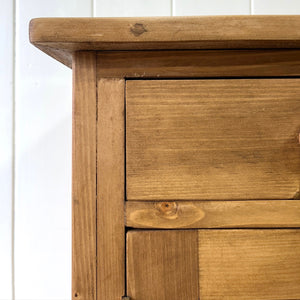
(35, 133)
(6, 146)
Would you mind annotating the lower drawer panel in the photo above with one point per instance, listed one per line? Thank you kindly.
(213, 264)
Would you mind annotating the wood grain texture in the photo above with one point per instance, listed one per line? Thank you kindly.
(110, 190)
(162, 265)
(213, 214)
(213, 139)
(84, 177)
(63, 56)
(205, 32)
(249, 264)
(198, 63)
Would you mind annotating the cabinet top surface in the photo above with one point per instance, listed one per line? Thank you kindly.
(60, 37)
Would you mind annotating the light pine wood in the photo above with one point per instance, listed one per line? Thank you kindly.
(162, 265)
(61, 55)
(187, 142)
(213, 139)
(213, 214)
(205, 32)
(249, 264)
(231, 264)
(110, 190)
(84, 177)
(198, 63)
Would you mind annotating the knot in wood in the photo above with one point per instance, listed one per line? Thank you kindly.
(137, 29)
(167, 209)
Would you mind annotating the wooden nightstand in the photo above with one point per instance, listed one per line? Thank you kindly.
(186, 155)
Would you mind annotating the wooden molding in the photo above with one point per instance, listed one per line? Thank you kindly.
(110, 189)
(53, 35)
(213, 214)
(198, 63)
(84, 236)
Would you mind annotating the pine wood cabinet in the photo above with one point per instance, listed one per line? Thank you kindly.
(186, 155)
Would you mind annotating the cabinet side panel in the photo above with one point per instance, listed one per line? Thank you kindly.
(84, 176)
(110, 190)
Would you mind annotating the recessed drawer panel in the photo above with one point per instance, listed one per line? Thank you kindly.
(213, 139)
(213, 264)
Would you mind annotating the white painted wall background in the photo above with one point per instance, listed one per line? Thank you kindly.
(35, 136)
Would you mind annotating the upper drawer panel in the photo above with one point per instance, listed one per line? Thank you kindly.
(213, 139)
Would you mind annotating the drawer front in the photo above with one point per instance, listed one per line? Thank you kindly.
(213, 264)
(213, 139)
